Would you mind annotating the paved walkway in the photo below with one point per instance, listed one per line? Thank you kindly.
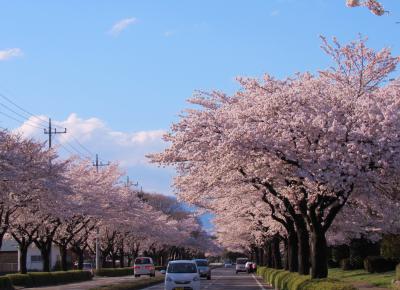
(96, 282)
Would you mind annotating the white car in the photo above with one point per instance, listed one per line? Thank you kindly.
(144, 266)
(241, 265)
(182, 275)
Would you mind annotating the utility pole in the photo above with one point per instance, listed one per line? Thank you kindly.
(52, 131)
(98, 164)
(129, 183)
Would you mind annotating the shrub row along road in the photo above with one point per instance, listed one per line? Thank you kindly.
(223, 279)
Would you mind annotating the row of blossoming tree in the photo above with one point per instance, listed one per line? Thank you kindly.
(298, 163)
(47, 201)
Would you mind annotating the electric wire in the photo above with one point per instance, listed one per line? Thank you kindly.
(27, 115)
(19, 121)
(23, 110)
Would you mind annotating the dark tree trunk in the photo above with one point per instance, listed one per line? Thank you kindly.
(292, 252)
(276, 253)
(63, 254)
(319, 263)
(113, 258)
(268, 255)
(80, 260)
(121, 258)
(286, 257)
(303, 247)
(23, 254)
(46, 254)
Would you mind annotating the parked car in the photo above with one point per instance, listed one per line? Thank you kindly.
(88, 267)
(251, 267)
(241, 265)
(182, 274)
(203, 268)
(228, 264)
(144, 266)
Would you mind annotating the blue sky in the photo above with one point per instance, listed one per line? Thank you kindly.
(65, 59)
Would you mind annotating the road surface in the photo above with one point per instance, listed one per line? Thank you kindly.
(225, 278)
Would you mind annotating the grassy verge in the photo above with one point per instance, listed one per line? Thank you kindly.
(134, 285)
(376, 279)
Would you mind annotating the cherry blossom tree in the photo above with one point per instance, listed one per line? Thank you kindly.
(374, 6)
(307, 143)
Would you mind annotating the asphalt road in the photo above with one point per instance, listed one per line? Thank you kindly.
(225, 278)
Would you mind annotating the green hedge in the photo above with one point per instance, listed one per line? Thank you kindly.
(21, 280)
(134, 285)
(114, 272)
(398, 272)
(285, 280)
(38, 279)
(378, 264)
(5, 284)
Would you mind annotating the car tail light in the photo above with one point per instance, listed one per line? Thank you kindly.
(149, 267)
(136, 267)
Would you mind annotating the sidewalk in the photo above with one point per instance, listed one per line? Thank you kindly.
(97, 281)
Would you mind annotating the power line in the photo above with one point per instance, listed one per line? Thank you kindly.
(82, 146)
(18, 114)
(23, 110)
(20, 121)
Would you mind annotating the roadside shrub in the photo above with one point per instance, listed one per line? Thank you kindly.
(378, 264)
(42, 279)
(390, 247)
(339, 253)
(5, 283)
(357, 262)
(61, 277)
(333, 264)
(114, 272)
(398, 272)
(134, 285)
(20, 280)
(285, 280)
(345, 264)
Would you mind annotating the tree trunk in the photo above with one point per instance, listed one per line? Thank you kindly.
(319, 263)
(286, 258)
(268, 255)
(63, 254)
(80, 260)
(292, 252)
(46, 254)
(121, 258)
(303, 247)
(276, 253)
(23, 254)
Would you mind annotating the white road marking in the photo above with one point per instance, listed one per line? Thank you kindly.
(258, 282)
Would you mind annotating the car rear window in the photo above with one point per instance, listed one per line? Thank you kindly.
(141, 261)
(241, 261)
(202, 263)
(182, 268)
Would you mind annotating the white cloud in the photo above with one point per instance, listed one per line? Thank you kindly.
(274, 13)
(127, 148)
(169, 33)
(121, 25)
(10, 53)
